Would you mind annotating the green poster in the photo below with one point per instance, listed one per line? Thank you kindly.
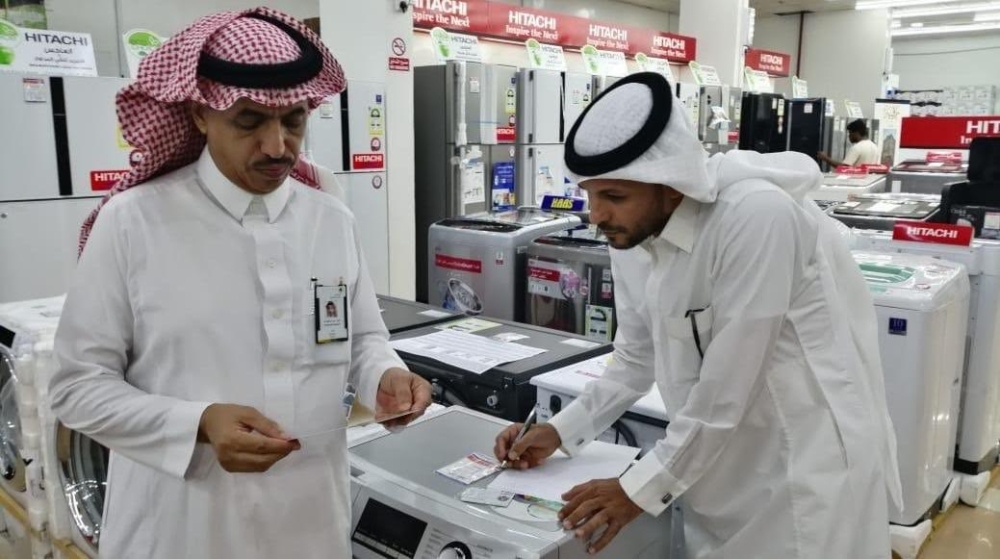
(25, 13)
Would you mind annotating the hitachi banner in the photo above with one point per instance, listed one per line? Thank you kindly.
(516, 23)
(46, 52)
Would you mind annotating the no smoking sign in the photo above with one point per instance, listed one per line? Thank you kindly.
(398, 46)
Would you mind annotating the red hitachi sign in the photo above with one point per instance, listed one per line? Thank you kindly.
(537, 21)
(606, 32)
(451, 7)
(105, 180)
(938, 233)
(459, 264)
(669, 42)
(368, 161)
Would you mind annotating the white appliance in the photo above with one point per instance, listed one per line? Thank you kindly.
(27, 331)
(549, 103)
(15, 542)
(642, 425)
(403, 508)
(840, 188)
(71, 493)
(689, 95)
(922, 305)
(62, 150)
(346, 134)
(979, 421)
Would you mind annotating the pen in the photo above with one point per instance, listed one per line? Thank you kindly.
(532, 417)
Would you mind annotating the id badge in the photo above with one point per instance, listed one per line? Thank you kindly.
(331, 313)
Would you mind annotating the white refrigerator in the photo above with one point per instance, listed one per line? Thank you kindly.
(62, 150)
(346, 134)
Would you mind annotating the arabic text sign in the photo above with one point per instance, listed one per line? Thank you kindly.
(46, 52)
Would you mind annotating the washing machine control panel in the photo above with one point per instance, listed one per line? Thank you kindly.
(387, 528)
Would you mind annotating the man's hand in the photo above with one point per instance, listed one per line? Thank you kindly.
(597, 504)
(824, 158)
(537, 444)
(243, 439)
(401, 391)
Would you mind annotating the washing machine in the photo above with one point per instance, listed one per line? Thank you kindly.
(882, 211)
(920, 177)
(74, 466)
(476, 264)
(840, 188)
(505, 390)
(641, 426)
(400, 315)
(570, 287)
(922, 305)
(979, 420)
(12, 470)
(15, 542)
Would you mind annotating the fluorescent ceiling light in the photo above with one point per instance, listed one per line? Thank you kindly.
(917, 24)
(896, 24)
(947, 9)
(987, 16)
(943, 29)
(877, 4)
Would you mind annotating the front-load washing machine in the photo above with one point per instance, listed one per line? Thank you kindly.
(477, 263)
(570, 287)
(922, 305)
(979, 420)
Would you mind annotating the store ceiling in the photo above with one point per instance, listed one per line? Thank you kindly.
(764, 7)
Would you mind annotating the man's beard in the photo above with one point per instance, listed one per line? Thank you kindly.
(625, 239)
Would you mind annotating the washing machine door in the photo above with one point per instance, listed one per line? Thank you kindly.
(83, 470)
(11, 465)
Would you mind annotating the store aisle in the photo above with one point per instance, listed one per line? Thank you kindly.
(969, 533)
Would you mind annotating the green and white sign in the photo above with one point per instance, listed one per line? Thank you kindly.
(545, 57)
(26, 14)
(757, 81)
(138, 44)
(455, 46)
(854, 109)
(704, 75)
(613, 63)
(658, 65)
(592, 59)
(800, 88)
(46, 52)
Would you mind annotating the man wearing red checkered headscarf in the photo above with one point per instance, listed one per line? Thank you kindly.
(191, 343)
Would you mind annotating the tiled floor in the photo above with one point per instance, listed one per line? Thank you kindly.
(968, 533)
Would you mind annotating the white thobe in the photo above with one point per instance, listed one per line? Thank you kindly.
(779, 440)
(192, 291)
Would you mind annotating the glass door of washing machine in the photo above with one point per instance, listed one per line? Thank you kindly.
(83, 471)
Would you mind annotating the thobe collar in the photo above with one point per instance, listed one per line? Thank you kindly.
(234, 199)
(682, 227)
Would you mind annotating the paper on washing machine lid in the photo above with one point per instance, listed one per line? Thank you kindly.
(468, 352)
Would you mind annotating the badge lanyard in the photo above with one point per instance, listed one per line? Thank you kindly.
(331, 312)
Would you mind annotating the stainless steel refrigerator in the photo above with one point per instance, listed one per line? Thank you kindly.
(465, 131)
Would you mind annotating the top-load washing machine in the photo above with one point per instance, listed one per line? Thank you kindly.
(400, 315)
(979, 421)
(922, 305)
(882, 211)
(840, 188)
(922, 177)
(75, 467)
(476, 264)
(570, 287)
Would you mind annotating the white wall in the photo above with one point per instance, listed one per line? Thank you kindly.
(842, 55)
(937, 62)
(779, 34)
(106, 20)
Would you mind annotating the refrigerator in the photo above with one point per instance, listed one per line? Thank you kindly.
(689, 95)
(835, 142)
(806, 125)
(763, 126)
(549, 102)
(718, 123)
(346, 134)
(464, 125)
(62, 150)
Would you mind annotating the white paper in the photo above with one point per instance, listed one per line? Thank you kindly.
(468, 325)
(580, 343)
(883, 207)
(468, 352)
(431, 313)
(560, 473)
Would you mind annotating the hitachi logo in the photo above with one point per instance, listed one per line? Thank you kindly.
(669, 43)
(771, 59)
(931, 232)
(982, 127)
(368, 158)
(532, 20)
(107, 176)
(605, 32)
(453, 7)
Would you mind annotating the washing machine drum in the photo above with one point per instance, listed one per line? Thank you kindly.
(83, 470)
(11, 465)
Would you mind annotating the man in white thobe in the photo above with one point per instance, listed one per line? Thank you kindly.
(191, 343)
(737, 299)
